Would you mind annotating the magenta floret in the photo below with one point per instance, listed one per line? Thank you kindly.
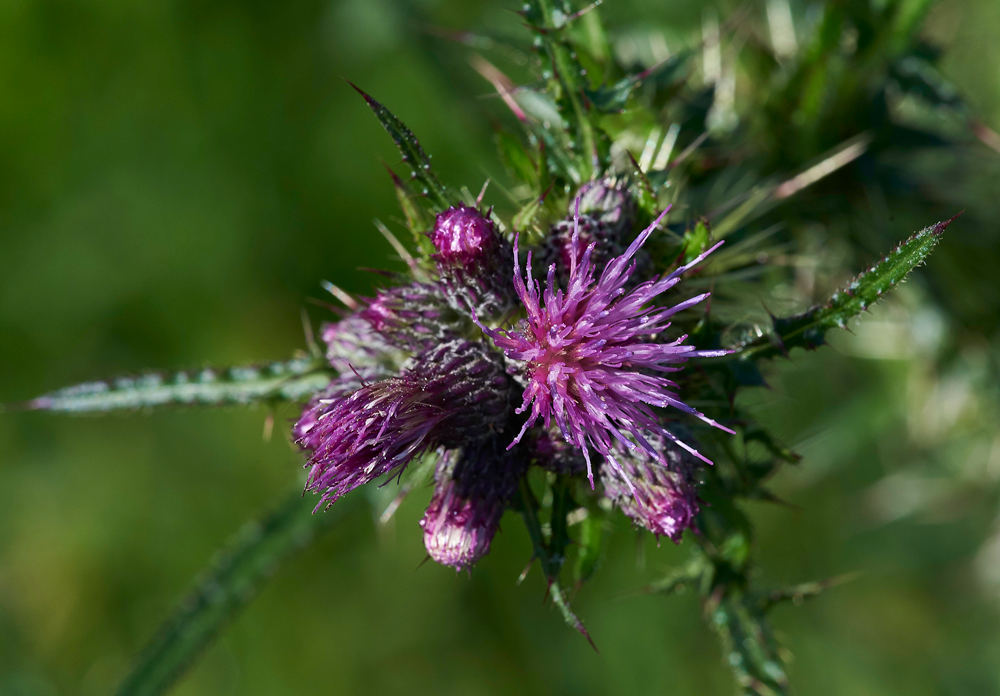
(589, 359)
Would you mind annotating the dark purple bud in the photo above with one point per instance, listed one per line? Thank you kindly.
(661, 498)
(471, 258)
(607, 215)
(462, 234)
(471, 492)
(410, 317)
(353, 344)
(449, 395)
(610, 204)
(552, 452)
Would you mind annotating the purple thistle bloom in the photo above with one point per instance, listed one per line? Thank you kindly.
(304, 432)
(449, 395)
(588, 362)
(663, 499)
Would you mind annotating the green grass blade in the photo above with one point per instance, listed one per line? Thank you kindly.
(222, 592)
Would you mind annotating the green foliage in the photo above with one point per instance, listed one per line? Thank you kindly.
(234, 386)
(232, 581)
(413, 155)
(808, 329)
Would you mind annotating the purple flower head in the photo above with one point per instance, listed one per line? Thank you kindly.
(470, 257)
(304, 432)
(663, 499)
(449, 395)
(587, 358)
(471, 492)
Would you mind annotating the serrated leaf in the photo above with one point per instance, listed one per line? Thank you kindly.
(225, 589)
(808, 330)
(234, 386)
(416, 222)
(566, 83)
(413, 155)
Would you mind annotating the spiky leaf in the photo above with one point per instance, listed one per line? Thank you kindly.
(808, 330)
(228, 586)
(413, 155)
(613, 98)
(235, 386)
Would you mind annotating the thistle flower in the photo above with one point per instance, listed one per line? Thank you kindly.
(450, 395)
(586, 357)
(471, 492)
(469, 258)
(663, 499)
(304, 432)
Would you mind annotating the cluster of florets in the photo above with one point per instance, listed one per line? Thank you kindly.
(424, 368)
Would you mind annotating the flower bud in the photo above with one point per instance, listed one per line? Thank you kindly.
(663, 499)
(610, 204)
(607, 214)
(472, 489)
(462, 233)
(552, 452)
(471, 260)
(410, 317)
(353, 344)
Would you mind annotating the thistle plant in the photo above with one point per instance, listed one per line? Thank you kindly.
(571, 353)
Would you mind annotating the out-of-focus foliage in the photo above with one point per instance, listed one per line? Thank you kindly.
(178, 203)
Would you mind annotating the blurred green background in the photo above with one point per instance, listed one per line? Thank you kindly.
(177, 177)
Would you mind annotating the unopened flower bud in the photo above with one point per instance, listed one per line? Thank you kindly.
(607, 214)
(410, 317)
(661, 498)
(610, 204)
(472, 489)
(552, 452)
(471, 260)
